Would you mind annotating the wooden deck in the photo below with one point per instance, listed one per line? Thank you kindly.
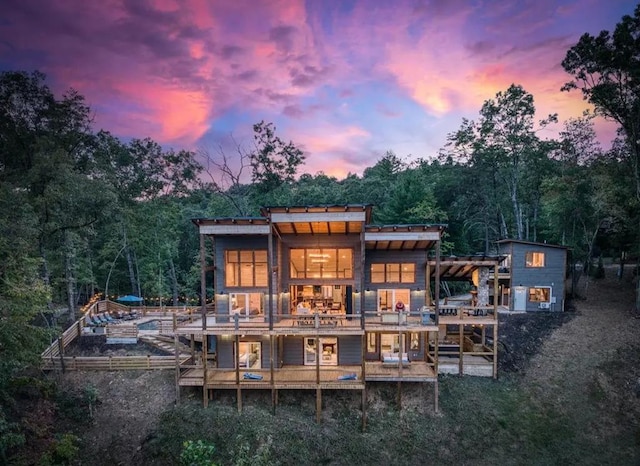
(306, 377)
(479, 366)
(294, 377)
(301, 325)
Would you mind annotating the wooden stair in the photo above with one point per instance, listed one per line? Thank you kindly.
(165, 344)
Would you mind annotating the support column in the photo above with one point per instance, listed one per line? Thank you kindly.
(435, 395)
(495, 350)
(203, 282)
(364, 408)
(437, 283)
(175, 346)
(318, 405)
(461, 351)
(205, 394)
(272, 373)
(272, 275)
(362, 274)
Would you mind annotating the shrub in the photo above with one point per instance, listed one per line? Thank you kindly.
(199, 453)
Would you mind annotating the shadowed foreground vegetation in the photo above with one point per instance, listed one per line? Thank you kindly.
(482, 422)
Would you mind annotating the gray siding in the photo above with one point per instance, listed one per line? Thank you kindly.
(419, 258)
(225, 353)
(552, 274)
(292, 351)
(349, 350)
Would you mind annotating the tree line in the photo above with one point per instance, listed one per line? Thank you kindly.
(82, 211)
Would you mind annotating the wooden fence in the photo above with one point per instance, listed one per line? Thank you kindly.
(111, 363)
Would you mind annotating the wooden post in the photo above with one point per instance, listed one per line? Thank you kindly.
(272, 274)
(362, 267)
(175, 343)
(318, 405)
(436, 292)
(203, 282)
(461, 349)
(205, 394)
(435, 394)
(61, 351)
(364, 408)
(495, 350)
(237, 361)
(272, 373)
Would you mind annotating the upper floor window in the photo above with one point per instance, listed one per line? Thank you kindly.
(534, 259)
(245, 268)
(393, 273)
(321, 263)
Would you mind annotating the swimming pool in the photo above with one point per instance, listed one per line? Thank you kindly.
(150, 325)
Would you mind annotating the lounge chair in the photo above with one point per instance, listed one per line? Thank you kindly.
(251, 376)
(352, 376)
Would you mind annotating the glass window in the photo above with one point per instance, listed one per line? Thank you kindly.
(245, 268)
(393, 273)
(321, 263)
(245, 304)
(328, 349)
(387, 299)
(540, 294)
(534, 259)
(371, 343)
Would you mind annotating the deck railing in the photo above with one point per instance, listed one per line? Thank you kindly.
(110, 363)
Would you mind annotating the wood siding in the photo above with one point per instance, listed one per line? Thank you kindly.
(552, 274)
(292, 351)
(349, 350)
(225, 353)
(419, 258)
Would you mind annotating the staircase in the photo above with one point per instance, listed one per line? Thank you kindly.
(166, 344)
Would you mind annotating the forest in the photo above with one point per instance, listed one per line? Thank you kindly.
(84, 212)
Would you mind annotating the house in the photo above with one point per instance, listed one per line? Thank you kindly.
(319, 298)
(533, 275)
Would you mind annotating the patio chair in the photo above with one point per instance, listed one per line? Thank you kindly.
(252, 376)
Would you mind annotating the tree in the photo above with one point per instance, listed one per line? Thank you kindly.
(606, 69)
(273, 162)
(505, 152)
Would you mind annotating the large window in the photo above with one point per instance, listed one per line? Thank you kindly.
(327, 351)
(387, 299)
(534, 259)
(540, 294)
(321, 263)
(245, 304)
(245, 268)
(393, 273)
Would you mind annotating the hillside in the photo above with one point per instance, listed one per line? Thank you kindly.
(568, 391)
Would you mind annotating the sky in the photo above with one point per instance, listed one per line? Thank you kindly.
(345, 80)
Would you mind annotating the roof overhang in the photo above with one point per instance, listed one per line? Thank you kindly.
(233, 226)
(462, 268)
(318, 220)
(402, 237)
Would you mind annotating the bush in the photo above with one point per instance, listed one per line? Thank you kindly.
(197, 453)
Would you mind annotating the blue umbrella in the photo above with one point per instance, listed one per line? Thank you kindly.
(129, 299)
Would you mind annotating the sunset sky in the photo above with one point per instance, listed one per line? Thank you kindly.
(346, 80)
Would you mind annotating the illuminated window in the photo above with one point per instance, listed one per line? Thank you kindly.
(387, 299)
(534, 259)
(393, 273)
(321, 263)
(371, 343)
(245, 268)
(540, 295)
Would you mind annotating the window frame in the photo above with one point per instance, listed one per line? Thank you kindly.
(393, 268)
(533, 290)
(532, 259)
(233, 269)
(344, 267)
